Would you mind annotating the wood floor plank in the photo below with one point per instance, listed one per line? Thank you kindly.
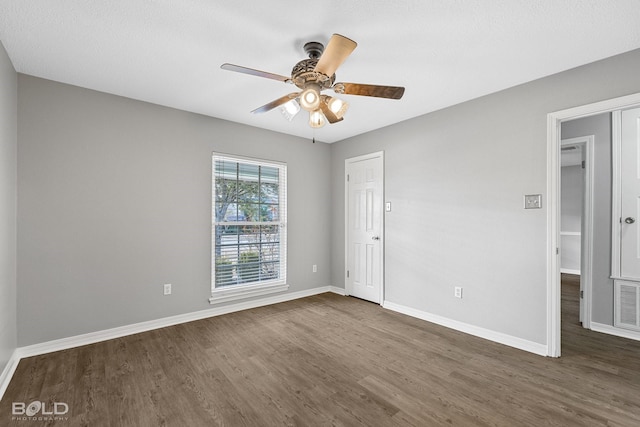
(335, 361)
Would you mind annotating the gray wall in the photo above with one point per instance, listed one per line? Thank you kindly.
(572, 181)
(456, 179)
(571, 200)
(8, 149)
(600, 127)
(114, 200)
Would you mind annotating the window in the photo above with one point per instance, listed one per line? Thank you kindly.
(249, 240)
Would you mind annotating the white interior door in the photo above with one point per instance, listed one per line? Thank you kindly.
(364, 226)
(630, 194)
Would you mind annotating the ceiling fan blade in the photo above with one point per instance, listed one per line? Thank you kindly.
(390, 92)
(251, 71)
(330, 115)
(337, 50)
(276, 103)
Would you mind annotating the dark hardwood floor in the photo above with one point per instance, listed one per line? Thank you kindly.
(332, 360)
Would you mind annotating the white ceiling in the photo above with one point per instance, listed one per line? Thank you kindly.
(444, 52)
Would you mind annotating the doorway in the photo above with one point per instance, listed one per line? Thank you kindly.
(576, 218)
(364, 227)
(554, 122)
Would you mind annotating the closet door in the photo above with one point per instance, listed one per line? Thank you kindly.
(630, 194)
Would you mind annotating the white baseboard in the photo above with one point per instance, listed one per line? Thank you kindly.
(336, 290)
(7, 372)
(98, 336)
(519, 343)
(94, 337)
(108, 334)
(612, 330)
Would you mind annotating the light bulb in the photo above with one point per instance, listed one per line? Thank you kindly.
(316, 119)
(290, 109)
(337, 106)
(310, 98)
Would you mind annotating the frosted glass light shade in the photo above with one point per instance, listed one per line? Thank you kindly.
(290, 109)
(316, 119)
(338, 106)
(310, 99)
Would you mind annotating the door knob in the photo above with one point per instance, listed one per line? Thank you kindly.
(629, 220)
(375, 238)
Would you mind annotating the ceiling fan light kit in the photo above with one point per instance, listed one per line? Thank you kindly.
(316, 119)
(337, 105)
(312, 76)
(290, 109)
(310, 98)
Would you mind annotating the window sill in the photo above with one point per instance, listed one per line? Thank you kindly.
(237, 292)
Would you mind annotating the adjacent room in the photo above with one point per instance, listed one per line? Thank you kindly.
(301, 213)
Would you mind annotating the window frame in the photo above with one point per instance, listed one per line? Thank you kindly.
(238, 291)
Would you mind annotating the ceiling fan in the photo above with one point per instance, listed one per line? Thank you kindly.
(314, 75)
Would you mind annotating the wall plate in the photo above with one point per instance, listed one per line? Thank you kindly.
(533, 201)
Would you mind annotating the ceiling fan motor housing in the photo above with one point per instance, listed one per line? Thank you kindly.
(303, 73)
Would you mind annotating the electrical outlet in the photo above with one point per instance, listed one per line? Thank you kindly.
(458, 292)
(167, 288)
(315, 268)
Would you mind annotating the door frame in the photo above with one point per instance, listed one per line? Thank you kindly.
(347, 162)
(586, 239)
(554, 122)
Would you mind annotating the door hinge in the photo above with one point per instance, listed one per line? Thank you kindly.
(584, 164)
(557, 251)
(347, 177)
(581, 294)
(347, 274)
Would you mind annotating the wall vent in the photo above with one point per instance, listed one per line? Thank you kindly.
(627, 307)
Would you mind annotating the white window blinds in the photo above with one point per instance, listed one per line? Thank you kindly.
(249, 218)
